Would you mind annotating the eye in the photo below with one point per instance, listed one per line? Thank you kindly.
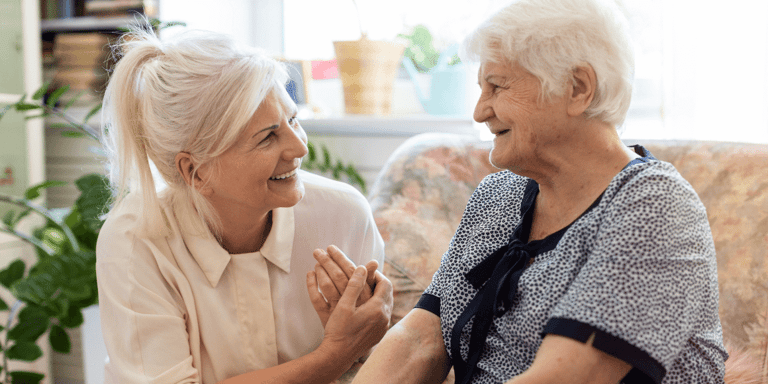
(268, 139)
(293, 121)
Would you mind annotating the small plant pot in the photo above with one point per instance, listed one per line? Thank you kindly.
(367, 69)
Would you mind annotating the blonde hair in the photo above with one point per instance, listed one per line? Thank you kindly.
(194, 93)
(549, 38)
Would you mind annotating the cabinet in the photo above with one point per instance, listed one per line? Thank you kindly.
(21, 142)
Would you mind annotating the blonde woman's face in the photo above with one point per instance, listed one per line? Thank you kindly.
(259, 173)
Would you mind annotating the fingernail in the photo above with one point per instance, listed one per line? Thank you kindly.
(360, 271)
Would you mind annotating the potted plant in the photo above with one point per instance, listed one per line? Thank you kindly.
(447, 78)
(367, 69)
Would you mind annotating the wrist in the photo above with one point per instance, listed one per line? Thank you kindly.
(335, 356)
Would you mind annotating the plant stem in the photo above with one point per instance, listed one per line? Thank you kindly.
(11, 315)
(31, 240)
(85, 128)
(44, 212)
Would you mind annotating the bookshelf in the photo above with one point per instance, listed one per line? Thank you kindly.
(75, 37)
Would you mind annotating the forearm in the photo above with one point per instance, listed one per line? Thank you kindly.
(322, 366)
(412, 351)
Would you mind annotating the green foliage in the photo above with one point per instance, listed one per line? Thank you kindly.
(336, 169)
(421, 49)
(22, 377)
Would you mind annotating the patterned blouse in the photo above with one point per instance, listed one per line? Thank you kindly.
(637, 270)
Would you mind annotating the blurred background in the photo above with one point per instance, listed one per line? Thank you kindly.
(701, 74)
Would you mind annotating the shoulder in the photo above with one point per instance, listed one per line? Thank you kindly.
(657, 183)
(497, 190)
(119, 241)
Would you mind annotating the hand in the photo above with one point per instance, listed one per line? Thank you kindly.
(352, 330)
(332, 273)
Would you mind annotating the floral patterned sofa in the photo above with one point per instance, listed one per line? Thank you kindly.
(419, 197)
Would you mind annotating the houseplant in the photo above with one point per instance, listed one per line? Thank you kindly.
(367, 69)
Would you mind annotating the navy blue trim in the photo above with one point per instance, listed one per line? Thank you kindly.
(645, 369)
(430, 303)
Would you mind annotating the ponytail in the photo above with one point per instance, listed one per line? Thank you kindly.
(196, 94)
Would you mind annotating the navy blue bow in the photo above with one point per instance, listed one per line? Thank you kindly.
(498, 275)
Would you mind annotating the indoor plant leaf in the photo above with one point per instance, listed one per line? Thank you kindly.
(29, 330)
(33, 192)
(12, 273)
(24, 351)
(94, 198)
(24, 377)
(59, 339)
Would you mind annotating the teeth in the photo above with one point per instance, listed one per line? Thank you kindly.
(284, 175)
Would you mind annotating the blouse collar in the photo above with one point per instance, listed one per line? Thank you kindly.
(277, 248)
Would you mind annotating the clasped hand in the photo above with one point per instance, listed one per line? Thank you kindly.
(354, 303)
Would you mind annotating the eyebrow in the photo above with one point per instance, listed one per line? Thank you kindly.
(273, 127)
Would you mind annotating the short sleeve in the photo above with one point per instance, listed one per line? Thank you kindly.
(142, 321)
(649, 283)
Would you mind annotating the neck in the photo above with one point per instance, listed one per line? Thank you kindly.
(245, 234)
(575, 174)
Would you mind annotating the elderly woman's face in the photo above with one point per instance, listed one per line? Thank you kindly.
(522, 125)
(259, 172)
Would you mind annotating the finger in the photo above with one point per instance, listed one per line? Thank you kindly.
(341, 260)
(314, 295)
(371, 266)
(334, 271)
(327, 287)
(383, 288)
(354, 288)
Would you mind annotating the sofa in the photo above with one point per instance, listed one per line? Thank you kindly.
(420, 194)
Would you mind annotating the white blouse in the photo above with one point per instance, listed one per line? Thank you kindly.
(181, 309)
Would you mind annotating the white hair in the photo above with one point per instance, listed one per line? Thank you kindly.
(549, 38)
(194, 93)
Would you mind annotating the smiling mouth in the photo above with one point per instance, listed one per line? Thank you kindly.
(499, 133)
(285, 175)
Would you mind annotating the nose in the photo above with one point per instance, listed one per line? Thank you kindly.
(296, 147)
(483, 109)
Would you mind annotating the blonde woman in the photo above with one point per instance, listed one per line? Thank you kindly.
(213, 278)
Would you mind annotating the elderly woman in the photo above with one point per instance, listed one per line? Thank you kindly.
(213, 279)
(585, 261)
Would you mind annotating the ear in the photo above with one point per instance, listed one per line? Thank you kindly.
(582, 89)
(186, 168)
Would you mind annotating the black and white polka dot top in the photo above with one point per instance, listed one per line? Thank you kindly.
(637, 269)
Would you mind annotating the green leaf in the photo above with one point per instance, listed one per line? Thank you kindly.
(77, 293)
(29, 329)
(59, 339)
(8, 219)
(23, 377)
(32, 312)
(92, 113)
(54, 97)
(12, 273)
(24, 351)
(3, 307)
(27, 107)
(94, 199)
(41, 91)
(73, 134)
(33, 192)
(73, 319)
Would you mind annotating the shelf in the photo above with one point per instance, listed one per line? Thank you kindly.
(387, 126)
(86, 23)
